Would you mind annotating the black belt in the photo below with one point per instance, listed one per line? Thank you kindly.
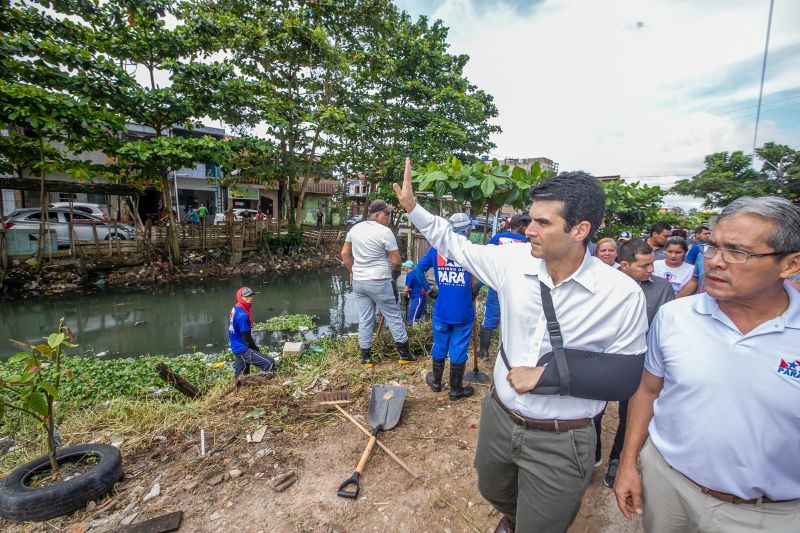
(555, 426)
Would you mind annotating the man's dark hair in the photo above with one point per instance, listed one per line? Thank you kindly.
(629, 250)
(702, 227)
(582, 196)
(659, 227)
(519, 220)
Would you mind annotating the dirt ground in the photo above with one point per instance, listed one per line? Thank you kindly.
(231, 489)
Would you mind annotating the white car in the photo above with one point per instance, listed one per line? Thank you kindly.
(83, 207)
(58, 219)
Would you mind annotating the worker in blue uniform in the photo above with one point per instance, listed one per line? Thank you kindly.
(453, 315)
(416, 292)
(491, 316)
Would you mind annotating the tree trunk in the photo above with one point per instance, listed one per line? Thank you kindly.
(51, 440)
(172, 232)
(176, 381)
(307, 177)
(290, 200)
(43, 202)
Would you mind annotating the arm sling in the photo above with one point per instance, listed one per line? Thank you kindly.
(581, 373)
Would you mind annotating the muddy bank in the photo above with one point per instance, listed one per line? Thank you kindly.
(84, 276)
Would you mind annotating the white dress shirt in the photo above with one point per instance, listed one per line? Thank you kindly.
(599, 309)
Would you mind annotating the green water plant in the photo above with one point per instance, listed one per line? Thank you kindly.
(286, 323)
(28, 390)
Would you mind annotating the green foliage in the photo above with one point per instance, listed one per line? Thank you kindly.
(629, 206)
(728, 176)
(286, 323)
(478, 183)
(285, 243)
(30, 382)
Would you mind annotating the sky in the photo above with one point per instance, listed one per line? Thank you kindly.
(641, 88)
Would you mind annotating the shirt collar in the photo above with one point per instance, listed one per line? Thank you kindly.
(586, 275)
(706, 305)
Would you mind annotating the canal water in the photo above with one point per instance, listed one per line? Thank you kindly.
(178, 319)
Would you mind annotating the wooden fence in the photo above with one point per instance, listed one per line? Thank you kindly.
(236, 237)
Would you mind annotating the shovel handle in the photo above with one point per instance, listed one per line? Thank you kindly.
(352, 480)
(367, 451)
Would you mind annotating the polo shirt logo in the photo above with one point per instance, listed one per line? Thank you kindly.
(791, 369)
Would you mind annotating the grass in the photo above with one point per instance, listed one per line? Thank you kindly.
(110, 400)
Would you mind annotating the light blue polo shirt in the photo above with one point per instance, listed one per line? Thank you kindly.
(728, 416)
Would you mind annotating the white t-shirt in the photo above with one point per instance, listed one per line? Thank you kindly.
(371, 241)
(677, 277)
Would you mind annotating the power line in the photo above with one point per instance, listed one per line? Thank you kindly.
(763, 73)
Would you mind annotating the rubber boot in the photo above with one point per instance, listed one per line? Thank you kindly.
(366, 358)
(484, 339)
(457, 388)
(434, 379)
(405, 355)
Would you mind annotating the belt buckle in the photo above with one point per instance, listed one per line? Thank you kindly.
(518, 416)
(555, 422)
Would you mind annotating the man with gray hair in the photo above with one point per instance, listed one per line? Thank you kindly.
(371, 255)
(722, 411)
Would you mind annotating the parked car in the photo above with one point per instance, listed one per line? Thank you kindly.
(83, 207)
(354, 220)
(58, 220)
(480, 221)
(238, 214)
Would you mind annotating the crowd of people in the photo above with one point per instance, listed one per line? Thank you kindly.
(708, 424)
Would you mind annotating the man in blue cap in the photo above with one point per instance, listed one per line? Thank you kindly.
(415, 290)
(240, 325)
(453, 315)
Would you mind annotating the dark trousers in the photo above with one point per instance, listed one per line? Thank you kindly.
(619, 438)
(252, 357)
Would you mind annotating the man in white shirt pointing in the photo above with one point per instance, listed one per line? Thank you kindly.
(535, 452)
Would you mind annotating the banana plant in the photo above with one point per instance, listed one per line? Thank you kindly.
(480, 184)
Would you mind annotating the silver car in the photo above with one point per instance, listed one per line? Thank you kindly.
(58, 220)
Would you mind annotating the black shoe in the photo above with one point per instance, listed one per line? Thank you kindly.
(434, 379)
(457, 389)
(611, 475)
(366, 358)
(405, 355)
(484, 339)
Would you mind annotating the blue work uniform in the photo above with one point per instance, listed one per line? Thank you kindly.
(453, 312)
(491, 315)
(238, 324)
(418, 287)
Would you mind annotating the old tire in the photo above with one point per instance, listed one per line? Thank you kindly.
(20, 503)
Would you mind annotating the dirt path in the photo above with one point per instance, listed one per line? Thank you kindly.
(435, 437)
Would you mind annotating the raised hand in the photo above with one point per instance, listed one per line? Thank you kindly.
(405, 194)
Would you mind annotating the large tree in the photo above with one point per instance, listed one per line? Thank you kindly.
(409, 97)
(51, 103)
(728, 176)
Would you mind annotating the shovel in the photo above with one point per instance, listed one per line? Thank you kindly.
(385, 407)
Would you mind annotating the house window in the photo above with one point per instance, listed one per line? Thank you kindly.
(67, 196)
(100, 199)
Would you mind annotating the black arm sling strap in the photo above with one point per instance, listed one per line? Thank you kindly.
(581, 373)
(556, 341)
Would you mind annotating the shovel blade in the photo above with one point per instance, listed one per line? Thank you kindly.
(385, 406)
(476, 377)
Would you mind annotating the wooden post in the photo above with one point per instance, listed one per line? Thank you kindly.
(96, 240)
(177, 381)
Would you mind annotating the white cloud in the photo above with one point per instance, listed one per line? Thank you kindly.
(629, 88)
